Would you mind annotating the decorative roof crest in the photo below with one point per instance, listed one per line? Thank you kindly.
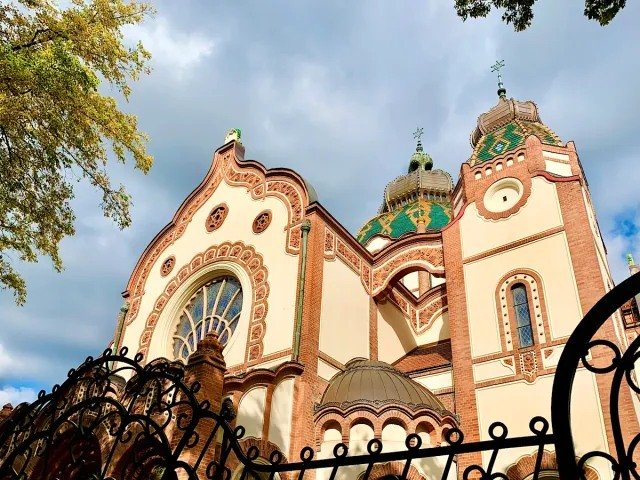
(496, 67)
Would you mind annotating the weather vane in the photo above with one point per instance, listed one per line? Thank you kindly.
(418, 133)
(499, 65)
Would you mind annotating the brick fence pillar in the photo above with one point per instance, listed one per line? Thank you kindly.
(206, 365)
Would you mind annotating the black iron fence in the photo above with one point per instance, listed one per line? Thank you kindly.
(96, 425)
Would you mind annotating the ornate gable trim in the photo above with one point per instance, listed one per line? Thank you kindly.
(228, 165)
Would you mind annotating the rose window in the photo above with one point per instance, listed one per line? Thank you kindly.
(215, 307)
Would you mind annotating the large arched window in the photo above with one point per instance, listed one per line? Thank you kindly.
(522, 315)
(214, 307)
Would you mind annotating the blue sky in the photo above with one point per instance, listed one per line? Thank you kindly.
(333, 90)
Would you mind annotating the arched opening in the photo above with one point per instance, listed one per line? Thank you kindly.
(393, 437)
(251, 410)
(427, 433)
(241, 470)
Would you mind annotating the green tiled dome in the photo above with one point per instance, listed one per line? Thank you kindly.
(505, 127)
(508, 138)
(404, 220)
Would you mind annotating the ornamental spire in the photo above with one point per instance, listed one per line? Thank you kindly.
(496, 67)
(418, 135)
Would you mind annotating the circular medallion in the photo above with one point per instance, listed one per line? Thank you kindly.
(262, 221)
(503, 195)
(216, 217)
(167, 266)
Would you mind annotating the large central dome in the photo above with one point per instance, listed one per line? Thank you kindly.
(377, 383)
(422, 196)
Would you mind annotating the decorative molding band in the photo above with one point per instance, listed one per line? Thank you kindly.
(515, 244)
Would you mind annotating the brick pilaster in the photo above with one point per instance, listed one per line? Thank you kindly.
(464, 388)
(307, 384)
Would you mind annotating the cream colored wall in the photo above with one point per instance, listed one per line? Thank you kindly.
(529, 400)
(412, 283)
(550, 258)
(395, 336)
(325, 370)
(251, 411)
(563, 157)
(282, 271)
(541, 212)
(344, 314)
(558, 168)
(272, 364)
(557, 163)
(493, 369)
(437, 331)
(393, 439)
(436, 381)
(281, 411)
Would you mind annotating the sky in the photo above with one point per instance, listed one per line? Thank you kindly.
(333, 90)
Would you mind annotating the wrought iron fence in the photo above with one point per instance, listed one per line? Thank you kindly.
(97, 425)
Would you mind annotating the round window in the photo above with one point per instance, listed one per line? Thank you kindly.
(503, 195)
(215, 307)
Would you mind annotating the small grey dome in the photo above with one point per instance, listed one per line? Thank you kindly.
(377, 383)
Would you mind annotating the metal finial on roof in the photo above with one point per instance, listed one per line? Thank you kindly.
(630, 261)
(417, 135)
(496, 67)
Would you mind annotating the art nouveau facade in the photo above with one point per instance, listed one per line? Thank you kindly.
(450, 308)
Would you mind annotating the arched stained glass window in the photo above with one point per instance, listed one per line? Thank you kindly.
(214, 307)
(523, 316)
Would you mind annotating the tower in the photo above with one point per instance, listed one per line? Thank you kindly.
(524, 262)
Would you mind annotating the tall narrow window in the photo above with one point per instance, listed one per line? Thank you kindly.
(523, 316)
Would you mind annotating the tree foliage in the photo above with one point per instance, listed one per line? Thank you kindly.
(56, 128)
(520, 12)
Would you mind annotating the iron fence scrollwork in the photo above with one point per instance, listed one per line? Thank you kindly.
(115, 418)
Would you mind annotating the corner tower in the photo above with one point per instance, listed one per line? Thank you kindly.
(524, 262)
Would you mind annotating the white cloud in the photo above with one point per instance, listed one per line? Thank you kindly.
(170, 48)
(15, 396)
(7, 362)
